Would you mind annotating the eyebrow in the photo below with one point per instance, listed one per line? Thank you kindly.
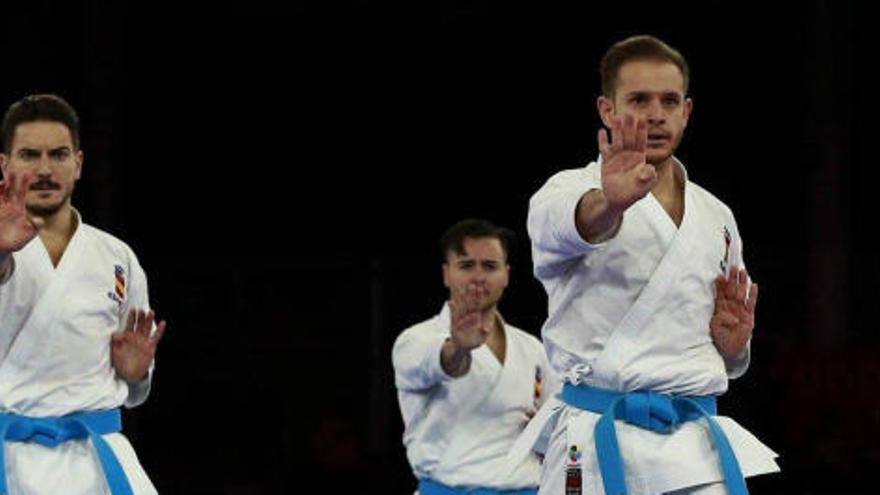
(28, 149)
(483, 261)
(677, 94)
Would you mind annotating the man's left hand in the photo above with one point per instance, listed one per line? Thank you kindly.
(133, 348)
(734, 319)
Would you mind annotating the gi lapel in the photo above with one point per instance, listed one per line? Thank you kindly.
(650, 299)
(37, 331)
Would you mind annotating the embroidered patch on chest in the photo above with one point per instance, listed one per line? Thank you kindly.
(537, 382)
(725, 261)
(118, 292)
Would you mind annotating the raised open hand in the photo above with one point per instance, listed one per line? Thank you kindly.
(468, 328)
(626, 176)
(17, 228)
(133, 348)
(734, 319)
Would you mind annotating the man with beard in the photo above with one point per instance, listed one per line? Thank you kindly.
(467, 381)
(650, 308)
(77, 337)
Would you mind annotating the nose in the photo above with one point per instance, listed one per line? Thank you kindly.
(43, 166)
(654, 113)
(479, 276)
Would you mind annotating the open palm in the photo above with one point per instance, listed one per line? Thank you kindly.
(626, 176)
(734, 318)
(17, 228)
(133, 348)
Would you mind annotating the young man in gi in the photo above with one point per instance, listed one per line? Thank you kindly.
(650, 307)
(468, 382)
(77, 337)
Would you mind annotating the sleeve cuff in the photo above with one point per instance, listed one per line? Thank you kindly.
(566, 227)
(737, 366)
(138, 391)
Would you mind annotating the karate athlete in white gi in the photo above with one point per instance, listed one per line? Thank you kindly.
(467, 381)
(650, 308)
(77, 337)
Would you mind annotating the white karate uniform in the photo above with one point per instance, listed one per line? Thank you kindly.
(55, 327)
(459, 430)
(633, 314)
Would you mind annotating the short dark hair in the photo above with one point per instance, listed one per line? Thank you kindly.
(39, 108)
(642, 47)
(474, 228)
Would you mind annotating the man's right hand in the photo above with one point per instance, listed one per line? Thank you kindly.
(626, 176)
(17, 228)
(468, 331)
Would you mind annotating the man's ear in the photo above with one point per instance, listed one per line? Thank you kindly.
(688, 108)
(79, 164)
(605, 106)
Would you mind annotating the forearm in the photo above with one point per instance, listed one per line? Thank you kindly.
(596, 219)
(455, 360)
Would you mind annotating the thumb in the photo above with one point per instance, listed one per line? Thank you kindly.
(36, 221)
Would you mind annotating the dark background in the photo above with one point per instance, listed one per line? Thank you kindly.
(284, 173)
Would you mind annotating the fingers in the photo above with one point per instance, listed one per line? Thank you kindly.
(604, 146)
(160, 331)
(742, 285)
(141, 322)
(752, 301)
(730, 286)
(145, 323)
(629, 132)
(641, 135)
(472, 297)
(647, 173)
(132, 319)
(23, 186)
(37, 222)
(616, 135)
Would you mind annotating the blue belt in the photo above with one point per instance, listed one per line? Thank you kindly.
(656, 412)
(53, 430)
(431, 487)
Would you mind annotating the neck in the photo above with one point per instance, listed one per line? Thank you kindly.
(669, 174)
(59, 224)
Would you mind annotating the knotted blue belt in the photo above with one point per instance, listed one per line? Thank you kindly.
(431, 487)
(53, 430)
(653, 411)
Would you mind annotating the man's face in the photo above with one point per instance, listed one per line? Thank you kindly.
(46, 150)
(483, 265)
(653, 91)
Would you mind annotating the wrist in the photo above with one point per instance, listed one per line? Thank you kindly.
(597, 218)
(454, 358)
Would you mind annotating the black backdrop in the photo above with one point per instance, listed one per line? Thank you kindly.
(284, 174)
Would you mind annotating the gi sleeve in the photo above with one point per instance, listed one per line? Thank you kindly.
(137, 298)
(551, 220)
(416, 359)
(737, 366)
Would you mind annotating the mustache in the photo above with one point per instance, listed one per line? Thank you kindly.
(44, 185)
